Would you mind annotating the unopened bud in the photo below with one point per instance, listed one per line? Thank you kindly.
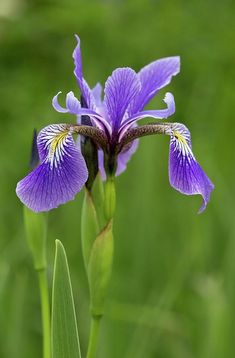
(99, 269)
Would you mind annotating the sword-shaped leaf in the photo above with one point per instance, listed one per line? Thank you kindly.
(65, 340)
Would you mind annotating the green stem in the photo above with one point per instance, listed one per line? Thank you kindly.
(45, 309)
(94, 330)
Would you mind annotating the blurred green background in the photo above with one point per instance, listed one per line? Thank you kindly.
(172, 292)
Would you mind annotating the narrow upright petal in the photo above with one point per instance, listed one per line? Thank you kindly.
(185, 173)
(77, 57)
(61, 174)
(99, 104)
(120, 88)
(153, 77)
(97, 93)
(83, 85)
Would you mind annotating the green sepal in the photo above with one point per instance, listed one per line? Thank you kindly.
(89, 226)
(99, 269)
(98, 199)
(110, 198)
(64, 335)
(36, 232)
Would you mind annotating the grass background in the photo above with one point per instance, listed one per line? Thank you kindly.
(172, 293)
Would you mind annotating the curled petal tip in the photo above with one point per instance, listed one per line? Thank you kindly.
(206, 198)
(56, 104)
(72, 104)
(170, 101)
(77, 38)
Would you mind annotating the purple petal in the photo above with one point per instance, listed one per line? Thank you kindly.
(84, 87)
(72, 104)
(61, 174)
(159, 114)
(153, 77)
(57, 106)
(99, 104)
(97, 93)
(78, 60)
(101, 164)
(185, 173)
(120, 88)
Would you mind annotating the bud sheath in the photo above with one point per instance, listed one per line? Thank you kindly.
(99, 269)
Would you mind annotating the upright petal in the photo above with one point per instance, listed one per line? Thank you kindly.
(120, 89)
(185, 173)
(77, 57)
(99, 104)
(97, 93)
(84, 87)
(61, 174)
(153, 77)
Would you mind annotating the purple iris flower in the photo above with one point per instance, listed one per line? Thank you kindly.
(113, 129)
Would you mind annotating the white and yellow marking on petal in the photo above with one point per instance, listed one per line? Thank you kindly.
(55, 139)
(181, 137)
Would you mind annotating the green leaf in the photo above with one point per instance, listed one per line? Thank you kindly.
(36, 232)
(65, 341)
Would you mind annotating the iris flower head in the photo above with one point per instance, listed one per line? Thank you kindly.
(110, 124)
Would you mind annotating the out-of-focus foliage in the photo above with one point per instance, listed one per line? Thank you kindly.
(172, 291)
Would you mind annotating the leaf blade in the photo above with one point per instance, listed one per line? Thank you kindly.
(65, 340)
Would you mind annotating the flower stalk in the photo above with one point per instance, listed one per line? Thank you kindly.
(94, 330)
(97, 246)
(36, 232)
(45, 312)
(110, 198)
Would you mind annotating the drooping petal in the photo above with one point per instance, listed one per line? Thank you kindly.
(83, 85)
(61, 174)
(120, 88)
(185, 173)
(159, 114)
(153, 77)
